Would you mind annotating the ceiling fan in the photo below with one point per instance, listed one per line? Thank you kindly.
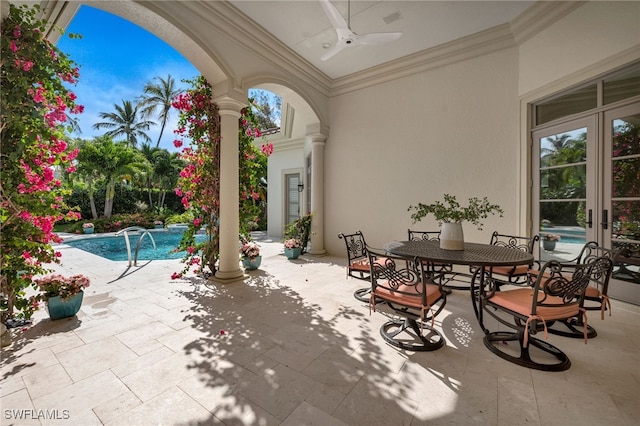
(346, 37)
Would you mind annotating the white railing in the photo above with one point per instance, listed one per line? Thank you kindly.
(125, 232)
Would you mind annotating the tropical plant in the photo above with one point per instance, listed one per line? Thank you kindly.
(119, 162)
(33, 111)
(89, 166)
(125, 122)
(300, 230)
(453, 212)
(199, 184)
(268, 107)
(550, 237)
(159, 95)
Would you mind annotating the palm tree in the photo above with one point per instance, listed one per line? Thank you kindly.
(118, 161)
(89, 166)
(166, 168)
(159, 95)
(125, 122)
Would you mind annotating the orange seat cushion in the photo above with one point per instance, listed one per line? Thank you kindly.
(510, 270)
(363, 264)
(413, 299)
(592, 292)
(520, 301)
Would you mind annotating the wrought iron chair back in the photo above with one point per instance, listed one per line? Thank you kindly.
(423, 235)
(596, 296)
(357, 259)
(358, 262)
(517, 275)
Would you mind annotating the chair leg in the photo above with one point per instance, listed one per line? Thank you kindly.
(362, 294)
(496, 342)
(416, 341)
(575, 327)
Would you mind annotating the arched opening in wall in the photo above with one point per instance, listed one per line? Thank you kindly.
(289, 167)
(268, 112)
(128, 80)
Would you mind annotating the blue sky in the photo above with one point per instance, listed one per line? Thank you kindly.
(116, 59)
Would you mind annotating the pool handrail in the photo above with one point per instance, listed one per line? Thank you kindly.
(144, 231)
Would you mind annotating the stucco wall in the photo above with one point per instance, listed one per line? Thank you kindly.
(449, 130)
(591, 34)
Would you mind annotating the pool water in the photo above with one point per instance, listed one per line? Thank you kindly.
(115, 248)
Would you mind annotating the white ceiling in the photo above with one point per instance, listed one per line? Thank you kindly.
(303, 26)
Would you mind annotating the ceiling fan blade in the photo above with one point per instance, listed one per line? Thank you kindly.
(334, 15)
(331, 52)
(378, 38)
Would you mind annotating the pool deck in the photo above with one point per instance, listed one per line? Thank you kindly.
(290, 346)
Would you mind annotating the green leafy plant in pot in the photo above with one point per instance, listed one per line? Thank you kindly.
(451, 214)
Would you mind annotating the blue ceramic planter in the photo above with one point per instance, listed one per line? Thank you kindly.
(251, 264)
(59, 308)
(293, 253)
(88, 230)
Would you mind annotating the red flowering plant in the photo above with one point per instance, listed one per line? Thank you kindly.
(33, 111)
(199, 184)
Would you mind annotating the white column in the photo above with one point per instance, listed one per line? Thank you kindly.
(229, 267)
(317, 192)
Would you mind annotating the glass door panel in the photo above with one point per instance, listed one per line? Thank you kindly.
(621, 216)
(292, 198)
(564, 188)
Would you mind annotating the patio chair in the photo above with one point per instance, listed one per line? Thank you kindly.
(410, 292)
(516, 275)
(595, 296)
(557, 295)
(357, 262)
(444, 272)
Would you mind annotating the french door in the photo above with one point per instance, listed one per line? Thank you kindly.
(586, 187)
(621, 224)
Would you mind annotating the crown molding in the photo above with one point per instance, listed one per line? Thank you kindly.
(239, 27)
(479, 44)
(539, 16)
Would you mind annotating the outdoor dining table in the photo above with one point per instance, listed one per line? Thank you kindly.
(482, 256)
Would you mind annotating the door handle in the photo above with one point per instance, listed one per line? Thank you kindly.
(590, 218)
(605, 219)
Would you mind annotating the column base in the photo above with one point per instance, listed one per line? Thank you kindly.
(317, 252)
(228, 277)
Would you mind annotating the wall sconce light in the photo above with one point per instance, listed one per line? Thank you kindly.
(300, 187)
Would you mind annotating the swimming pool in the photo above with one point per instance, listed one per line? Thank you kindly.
(115, 248)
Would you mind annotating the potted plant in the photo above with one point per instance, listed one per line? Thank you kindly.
(87, 228)
(251, 258)
(158, 224)
(292, 248)
(63, 295)
(451, 214)
(549, 241)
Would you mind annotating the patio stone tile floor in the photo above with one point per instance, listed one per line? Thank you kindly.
(290, 346)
